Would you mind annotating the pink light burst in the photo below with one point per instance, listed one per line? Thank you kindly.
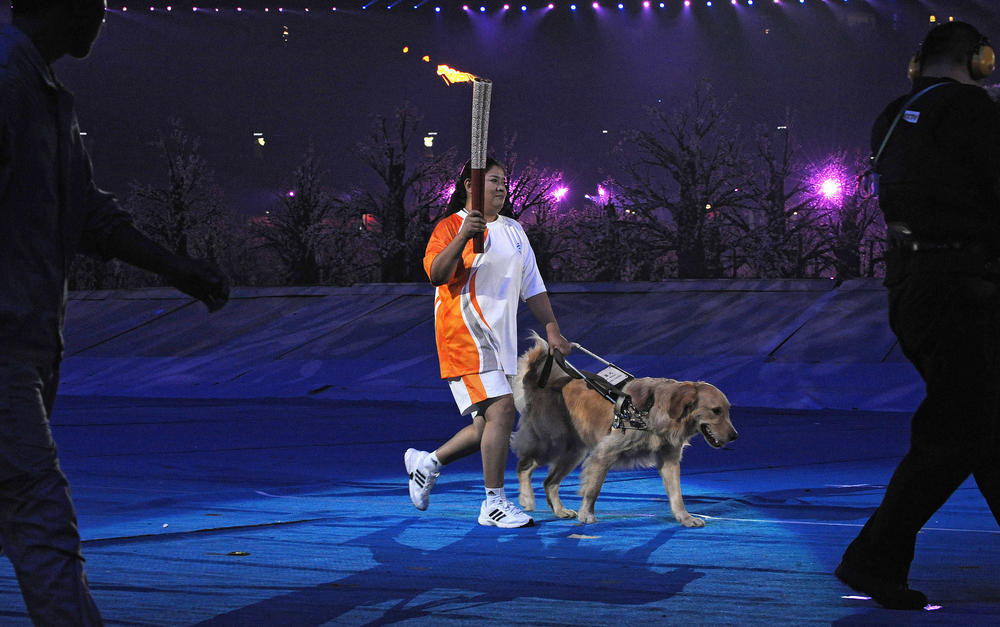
(559, 193)
(830, 183)
(831, 189)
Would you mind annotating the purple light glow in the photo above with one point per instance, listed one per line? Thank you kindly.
(559, 193)
(831, 189)
(830, 183)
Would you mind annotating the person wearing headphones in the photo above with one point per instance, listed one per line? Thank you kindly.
(938, 165)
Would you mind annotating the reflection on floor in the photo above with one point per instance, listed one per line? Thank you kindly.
(291, 512)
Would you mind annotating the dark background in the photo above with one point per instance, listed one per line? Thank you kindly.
(561, 78)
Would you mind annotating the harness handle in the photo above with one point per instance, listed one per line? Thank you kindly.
(625, 411)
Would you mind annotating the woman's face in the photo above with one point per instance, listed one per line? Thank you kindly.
(494, 190)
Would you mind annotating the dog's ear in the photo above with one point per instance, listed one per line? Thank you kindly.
(642, 394)
(682, 399)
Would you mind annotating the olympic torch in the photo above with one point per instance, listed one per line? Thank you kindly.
(481, 90)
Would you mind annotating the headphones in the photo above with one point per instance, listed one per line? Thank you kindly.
(982, 61)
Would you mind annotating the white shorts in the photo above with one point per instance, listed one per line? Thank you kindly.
(473, 389)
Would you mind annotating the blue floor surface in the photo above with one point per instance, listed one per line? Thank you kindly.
(295, 512)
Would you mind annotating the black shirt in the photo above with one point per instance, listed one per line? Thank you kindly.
(50, 208)
(939, 172)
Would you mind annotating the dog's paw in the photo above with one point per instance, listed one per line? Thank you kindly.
(526, 501)
(691, 521)
(586, 518)
(564, 513)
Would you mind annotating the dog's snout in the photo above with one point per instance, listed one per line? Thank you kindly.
(733, 435)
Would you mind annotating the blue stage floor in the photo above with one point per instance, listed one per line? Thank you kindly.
(290, 512)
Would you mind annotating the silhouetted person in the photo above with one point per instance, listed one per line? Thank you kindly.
(939, 172)
(50, 209)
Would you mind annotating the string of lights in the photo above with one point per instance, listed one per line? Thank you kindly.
(935, 13)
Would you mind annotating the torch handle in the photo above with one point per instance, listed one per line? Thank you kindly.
(478, 181)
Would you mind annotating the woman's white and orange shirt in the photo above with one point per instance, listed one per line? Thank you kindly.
(475, 312)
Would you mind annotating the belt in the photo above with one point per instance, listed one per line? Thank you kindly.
(962, 257)
(912, 245)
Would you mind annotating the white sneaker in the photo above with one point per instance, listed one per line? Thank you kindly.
(421, 482)
(503, 513)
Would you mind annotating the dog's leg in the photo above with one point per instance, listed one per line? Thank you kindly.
(595, 471)
(557, 472)
(526, 493)
(670, 472)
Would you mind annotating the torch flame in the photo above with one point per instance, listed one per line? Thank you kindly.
(451, 75)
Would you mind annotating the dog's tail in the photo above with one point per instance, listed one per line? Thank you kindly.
(529, 368)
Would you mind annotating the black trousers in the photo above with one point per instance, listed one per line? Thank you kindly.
(38, 530)
(948, 325)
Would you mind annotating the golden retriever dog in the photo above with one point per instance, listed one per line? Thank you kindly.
(565, 422)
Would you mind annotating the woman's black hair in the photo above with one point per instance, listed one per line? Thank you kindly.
(460, 197)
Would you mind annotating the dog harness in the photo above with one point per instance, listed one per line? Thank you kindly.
(609, 383)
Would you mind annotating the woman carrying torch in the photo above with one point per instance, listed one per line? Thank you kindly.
(475, 321)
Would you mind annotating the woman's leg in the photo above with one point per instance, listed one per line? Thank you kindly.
(495, 441)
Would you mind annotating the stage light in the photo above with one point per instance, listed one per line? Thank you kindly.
(551, 6)
(645, 4)
(506, 7)
(830, 188)
(465, 7)
(596, 6)
(559, 193)
(709, 3)
(239, 9)
(124, 9)
(621, 6)
(662, 5)
(437, 9)
(482, 9)
(572, 7)
(524, 8)
(687, 3)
